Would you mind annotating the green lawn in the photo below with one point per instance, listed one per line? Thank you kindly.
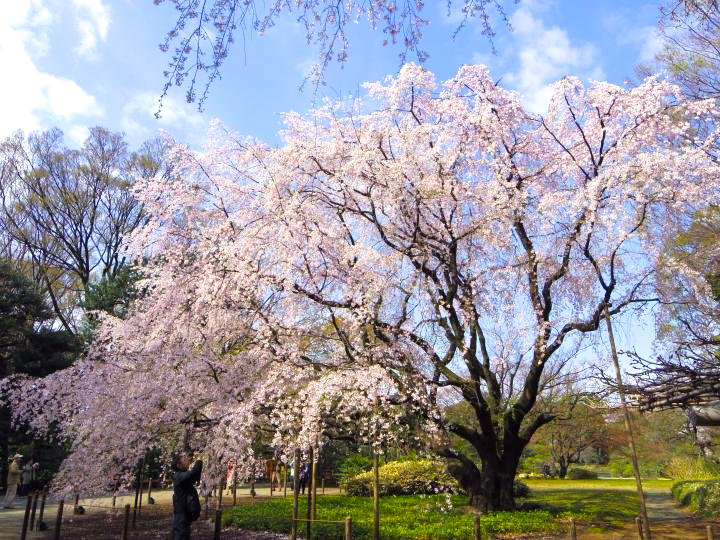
(600, 504)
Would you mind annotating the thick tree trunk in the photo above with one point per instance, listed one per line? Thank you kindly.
(562, 467)
(489, 489)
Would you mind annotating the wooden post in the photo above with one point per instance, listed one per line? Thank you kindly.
(376, 496)
(149, 490)
(218, 524)
(77, 502)
(284, 481)
(628, 427)
(206, 505)
(252, 491)
(114, 498)
(638, 524)
(314, 486)
(348, 528)
(573, 529)
(141, 496)
(126, 522)
(308, 523)
(26, 518)
(710, 532)
(323, 484)
(234, 488)
(34, 508)
(42, 508)
(222, 488)
(478, 528)
(137, 493)
(58, 520)
(296, 491)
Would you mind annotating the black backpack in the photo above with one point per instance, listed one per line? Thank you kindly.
(192, 506)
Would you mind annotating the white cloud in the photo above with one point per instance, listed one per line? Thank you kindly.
(35, 99)
(93, 23)
(187, 124)
(545, 55)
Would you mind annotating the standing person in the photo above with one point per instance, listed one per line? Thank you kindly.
(28, 477)
(304, 473)
(186, 502)
(230, 477)
(13, 479)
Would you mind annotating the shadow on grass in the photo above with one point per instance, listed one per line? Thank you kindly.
(614, 508)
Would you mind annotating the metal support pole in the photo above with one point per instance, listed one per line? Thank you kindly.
(58, 520)
(628, 427)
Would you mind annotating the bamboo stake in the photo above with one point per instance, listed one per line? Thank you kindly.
(376, 496)
(296, 491)
(628, 427)
(308, 529)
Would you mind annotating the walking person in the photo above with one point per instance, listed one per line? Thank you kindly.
(186, 502)
(13, 480)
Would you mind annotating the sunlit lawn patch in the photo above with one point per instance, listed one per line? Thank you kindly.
(598, 503)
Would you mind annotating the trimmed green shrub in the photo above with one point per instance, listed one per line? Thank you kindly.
(420, 477)
(577, 473)
(521, 489)
(700, 496)
(352, 466)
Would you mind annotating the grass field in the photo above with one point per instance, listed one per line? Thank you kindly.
(599, 505)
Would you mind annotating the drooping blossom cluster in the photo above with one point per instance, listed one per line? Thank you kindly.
(435, 244)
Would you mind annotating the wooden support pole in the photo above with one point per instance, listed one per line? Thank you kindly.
(58, 519)
(114, 499)
(638, 524)
(314, 486)
(284, 481)
(126, 522)
(42, 508)
(222, 488)
(141, 496)
(348, 528)
(573, 529)
(234, 488)
(478, 528)
(323, 485)
(34, 509)
(149, 490)
(26, 518)
(218, 524)
(308, 529)
(296, 492)
(376, 496)
(77, 502)
(252, 491)
(628, 427)
(206, 505)
(137, 494)
(710, 532)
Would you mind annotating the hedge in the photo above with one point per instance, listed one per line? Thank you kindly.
(700, 496)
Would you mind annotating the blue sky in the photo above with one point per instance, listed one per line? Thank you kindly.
(79, 63)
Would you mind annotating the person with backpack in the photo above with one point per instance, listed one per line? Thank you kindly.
(186, 502)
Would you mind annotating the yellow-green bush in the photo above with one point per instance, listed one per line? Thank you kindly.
(691, 468)
(417, 477)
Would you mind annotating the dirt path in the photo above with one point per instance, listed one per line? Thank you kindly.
(668, 521)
